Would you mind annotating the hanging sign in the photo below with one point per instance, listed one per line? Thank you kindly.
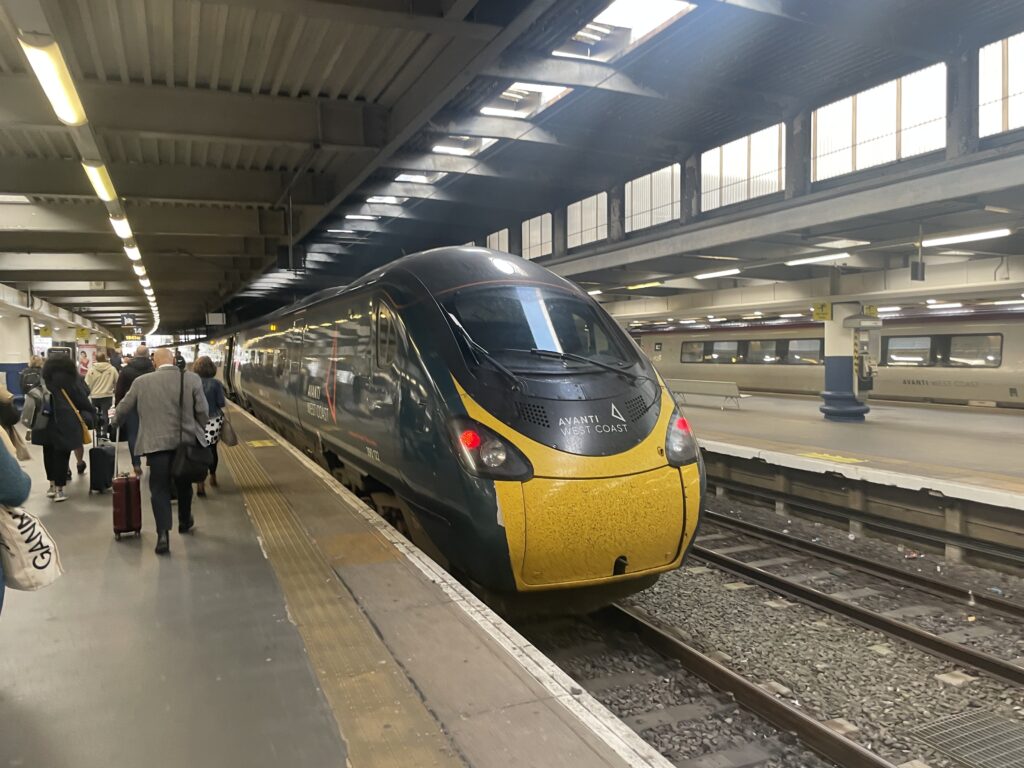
(82, 333)
(822, 311)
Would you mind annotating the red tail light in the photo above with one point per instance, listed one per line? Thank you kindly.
(470, 438)
(485, 453)
(680, 444)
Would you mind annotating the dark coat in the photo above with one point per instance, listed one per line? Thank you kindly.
(64, 430)
(136, 367)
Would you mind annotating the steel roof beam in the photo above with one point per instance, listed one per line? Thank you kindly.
(433, 162)
(572, 73)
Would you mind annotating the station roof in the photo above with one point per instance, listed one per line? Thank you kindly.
(232, 129)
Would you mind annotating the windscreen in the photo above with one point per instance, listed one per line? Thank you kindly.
(510, 319)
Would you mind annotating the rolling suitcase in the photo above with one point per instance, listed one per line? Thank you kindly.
(101, 463)
(127, 503)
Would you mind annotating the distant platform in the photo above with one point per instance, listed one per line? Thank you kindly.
(293, 628)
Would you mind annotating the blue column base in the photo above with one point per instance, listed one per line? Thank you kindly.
(840, 402)
(12, 374)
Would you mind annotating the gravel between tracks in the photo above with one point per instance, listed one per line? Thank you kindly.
(827, 663)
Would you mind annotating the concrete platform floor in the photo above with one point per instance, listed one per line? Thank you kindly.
(970, 445)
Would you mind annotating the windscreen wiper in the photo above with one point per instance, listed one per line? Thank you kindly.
(581, 359)
(480, 352)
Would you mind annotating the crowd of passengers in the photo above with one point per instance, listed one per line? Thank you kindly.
(138, 399)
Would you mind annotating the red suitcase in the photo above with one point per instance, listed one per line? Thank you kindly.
(127, 502)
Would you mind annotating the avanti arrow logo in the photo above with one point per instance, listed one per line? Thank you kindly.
(616, 414)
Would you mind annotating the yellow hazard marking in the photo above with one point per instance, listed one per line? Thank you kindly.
(833, 457)
(260, 443)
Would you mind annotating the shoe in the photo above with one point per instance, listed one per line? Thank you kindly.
(201, 490)
(52, 491)
(187, 526)
(59, 495)
(163, 543)
(81, 467)
(213, 479)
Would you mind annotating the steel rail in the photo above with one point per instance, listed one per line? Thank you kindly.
(812, 733)
(871, 567)
(961, 654)
(907, 530)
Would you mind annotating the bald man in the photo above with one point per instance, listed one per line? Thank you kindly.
(155, 399)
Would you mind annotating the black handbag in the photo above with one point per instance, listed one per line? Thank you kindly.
(191, 460)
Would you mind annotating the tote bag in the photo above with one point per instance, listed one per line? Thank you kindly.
(28, 553)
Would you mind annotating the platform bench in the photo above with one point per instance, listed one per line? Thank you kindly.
(727, 390)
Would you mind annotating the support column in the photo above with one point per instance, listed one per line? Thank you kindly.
(617, 213)
(962, 104)
(15, 349)
(840, 394)
(798, 154)
(690, 193)
(559, 232)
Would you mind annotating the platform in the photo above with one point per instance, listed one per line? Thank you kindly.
(971, 448)
(293, 628)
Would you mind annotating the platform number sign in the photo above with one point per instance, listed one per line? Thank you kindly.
(127, 319)
(822, 311)
(871, 310)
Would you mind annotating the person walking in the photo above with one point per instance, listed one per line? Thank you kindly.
(214, 391)
(100, 380)
(171, 407)
(179, 360)
(31, 376)
(71, 414)
(15, 485)
(139, 365)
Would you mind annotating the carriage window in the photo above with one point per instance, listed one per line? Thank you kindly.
(804, 352)
(764, 351)
(908, 351)
(724, 352)
(387, 336)
(692, 352)
(976, 351)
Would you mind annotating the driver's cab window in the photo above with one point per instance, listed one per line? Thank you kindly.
(387, 336)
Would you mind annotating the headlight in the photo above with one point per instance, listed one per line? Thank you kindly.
(680, 444)
(484, 453)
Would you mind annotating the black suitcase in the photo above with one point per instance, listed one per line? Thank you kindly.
(101, 464)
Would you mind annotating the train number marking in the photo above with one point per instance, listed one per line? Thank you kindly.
(373, 453)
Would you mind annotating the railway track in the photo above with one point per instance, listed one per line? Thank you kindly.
(696, 711)
(978, 631)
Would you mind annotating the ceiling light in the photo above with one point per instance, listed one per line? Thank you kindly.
(950, 305)
(121, 227)
(342, 231)
(717, 319)
(638, 286)
(968, 238)
(100, 180)
(444, 149)
(144, 282)
(19, 199)
(817, 259)
(752, 317)
(139, 270)
(132, 252)
(889, 309)
(931, 301)
(594, 293)
(844, 243)
(414, 178)
(789, 315)
(52, 72)
(997, 209)
(1005, 302)
(686, 322)
(386, 199)
(502, 112)
(360, 217)
(720, 273)
(956, 253)
(148, 291)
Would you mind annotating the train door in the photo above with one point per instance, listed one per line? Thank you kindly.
(381, 394)
(295, 373)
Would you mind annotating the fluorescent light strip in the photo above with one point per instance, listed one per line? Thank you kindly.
(950, 305)
(100, 180)
(121, 227)
(720, 273)
(51, 70)
(139, 270)
(1006, 302)
(889, 309)
(817, 259)
(967, 238)
(790, 315)
(594, 293)
(360, 217)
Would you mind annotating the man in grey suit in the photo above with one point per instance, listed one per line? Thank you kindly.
(155, 399)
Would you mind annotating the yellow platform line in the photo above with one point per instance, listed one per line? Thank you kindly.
(381, 717)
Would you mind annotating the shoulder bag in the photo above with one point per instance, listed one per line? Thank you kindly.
(29, 556)
(86, 434)
(191, 460)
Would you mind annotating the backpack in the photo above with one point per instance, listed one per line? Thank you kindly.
(34, 415)
(31, 378)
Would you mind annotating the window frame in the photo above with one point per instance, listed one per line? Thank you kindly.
(784, 358)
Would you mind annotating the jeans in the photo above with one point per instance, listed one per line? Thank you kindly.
(56, 463)
(131, 426)
(102, 409)
(216, 460)
(160, 482)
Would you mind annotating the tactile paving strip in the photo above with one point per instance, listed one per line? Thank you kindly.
(977, 739)
(381, 717)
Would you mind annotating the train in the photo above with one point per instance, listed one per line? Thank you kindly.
(493, 412)
(951, 360)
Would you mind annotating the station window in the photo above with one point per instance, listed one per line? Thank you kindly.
(763, 351)
(724, 352)
(537, 236)
(908, 351)
(498, 241)
(804, 352)
(1001, 86)
(692, 352)
(653, 198)
(587, 220)
(895, 120)
(976, 351)
(742, 169)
